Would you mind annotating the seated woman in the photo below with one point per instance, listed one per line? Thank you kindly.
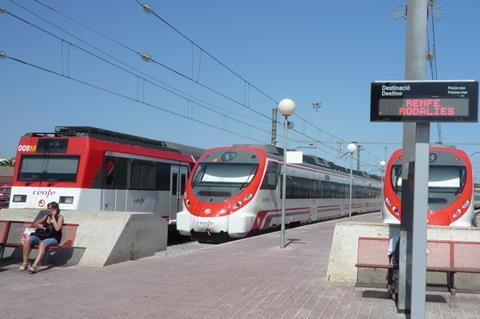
(49, 232)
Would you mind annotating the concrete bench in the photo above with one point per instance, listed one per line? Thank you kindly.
(446, 256)
(11, 233)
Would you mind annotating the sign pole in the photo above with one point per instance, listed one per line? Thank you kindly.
(417, 103)
(415, 167)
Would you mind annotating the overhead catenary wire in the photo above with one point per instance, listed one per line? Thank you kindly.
(149, 9)
(126, 70)
(338, 139)
(154, 106)
(365, 163)
(149, 58)
(165, 86)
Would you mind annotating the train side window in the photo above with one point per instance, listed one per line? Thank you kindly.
(142, 176)
(109, 165)
(116, 173)
(271, 176)
(163, 177)
(183, 182)
(290, 187)
(174, 183)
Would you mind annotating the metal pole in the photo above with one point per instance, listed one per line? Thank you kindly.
(351, 185)
(359, 149)
(413, 230)
(274, 126)
(382, 190)
(284, 184)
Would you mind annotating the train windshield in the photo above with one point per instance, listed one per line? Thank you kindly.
(222, 174)
(48, 168)
(444, 182)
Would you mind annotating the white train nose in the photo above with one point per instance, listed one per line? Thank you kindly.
(213, 225)
(186, 223)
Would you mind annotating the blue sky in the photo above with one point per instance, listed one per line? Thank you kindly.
(327, 51)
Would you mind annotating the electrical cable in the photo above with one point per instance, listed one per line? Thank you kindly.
(202, 50)
(176, 92)
(148, 9)
(153, 106)
(124, 69)
(146, 57)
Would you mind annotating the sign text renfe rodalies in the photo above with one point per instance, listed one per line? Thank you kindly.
(424, 101)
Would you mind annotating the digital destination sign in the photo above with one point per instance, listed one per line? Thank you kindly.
(424, 101)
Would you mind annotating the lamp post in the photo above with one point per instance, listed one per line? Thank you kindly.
(382, 169)
(351, 148)
(286, 107)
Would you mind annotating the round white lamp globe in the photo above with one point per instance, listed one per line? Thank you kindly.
(286, 107)
(352, 148)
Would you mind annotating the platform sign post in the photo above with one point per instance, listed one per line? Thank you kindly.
(417, 103)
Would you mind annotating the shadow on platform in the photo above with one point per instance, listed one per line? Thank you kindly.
(294, 241)
(376, 294)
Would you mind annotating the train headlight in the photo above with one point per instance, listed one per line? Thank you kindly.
(187, 202)
(19, 198)
(66, 200)
(237, 204)
(395, 210)
(457, 213)
(247, 197)
(388, 201)
(465, 204)
(228, 156)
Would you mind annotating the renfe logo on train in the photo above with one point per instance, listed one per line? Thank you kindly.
(424, 101)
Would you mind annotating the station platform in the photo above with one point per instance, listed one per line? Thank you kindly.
(249, 278)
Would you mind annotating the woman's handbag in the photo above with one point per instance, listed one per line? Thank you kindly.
(43, 233)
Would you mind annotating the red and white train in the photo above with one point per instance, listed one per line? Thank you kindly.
(87, 168)
(236, 191)
(450, 188)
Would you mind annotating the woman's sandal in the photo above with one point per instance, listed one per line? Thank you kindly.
(32, 269)
(23, 267)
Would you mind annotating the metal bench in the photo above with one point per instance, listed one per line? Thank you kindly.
(11, 233)
(448, 256)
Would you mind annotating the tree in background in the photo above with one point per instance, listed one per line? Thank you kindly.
(9, 162)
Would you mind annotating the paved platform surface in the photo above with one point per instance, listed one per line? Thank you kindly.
(251, 278)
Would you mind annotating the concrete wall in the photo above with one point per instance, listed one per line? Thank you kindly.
(108, 237)
(343, 254)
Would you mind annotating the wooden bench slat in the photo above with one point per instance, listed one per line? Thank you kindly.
(468, 270)
(11, 232)
(448, 256)
(443, 256)
(374, 266)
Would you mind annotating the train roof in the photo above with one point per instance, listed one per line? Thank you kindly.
(111, 136)
(310, 159)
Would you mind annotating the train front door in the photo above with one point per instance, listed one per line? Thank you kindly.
(183, 185)
(114, 191)
(177, 182)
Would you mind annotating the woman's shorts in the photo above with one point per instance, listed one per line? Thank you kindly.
(47, 242)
